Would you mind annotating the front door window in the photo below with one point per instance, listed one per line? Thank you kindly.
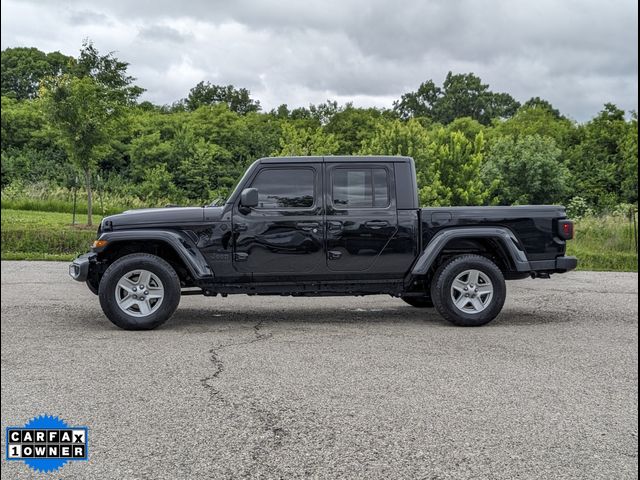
(285, 188)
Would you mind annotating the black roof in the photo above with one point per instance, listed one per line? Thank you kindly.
(337, 158)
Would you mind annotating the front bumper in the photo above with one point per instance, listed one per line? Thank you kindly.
(559, 265)
(79, 268)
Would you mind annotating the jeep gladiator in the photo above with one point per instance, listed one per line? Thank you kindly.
(312, 226)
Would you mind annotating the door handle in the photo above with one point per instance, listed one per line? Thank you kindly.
(240, 227)
(376, 224)
(334, 225)
(307, 225)
(334, 254)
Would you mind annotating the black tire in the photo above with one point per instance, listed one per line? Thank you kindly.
(129, 263)
(441, 289)
(92, 287)
(419, 302)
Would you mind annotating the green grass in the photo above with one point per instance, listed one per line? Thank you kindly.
(32, 235)
(604, 244)
(49, 257)
(600, 243)
(58, 205)
(12, 218)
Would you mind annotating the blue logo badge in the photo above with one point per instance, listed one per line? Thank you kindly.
(46, 443)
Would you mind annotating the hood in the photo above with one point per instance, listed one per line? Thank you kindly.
(159, 217)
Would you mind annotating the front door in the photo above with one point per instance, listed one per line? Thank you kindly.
(361, 219)
(284, 235)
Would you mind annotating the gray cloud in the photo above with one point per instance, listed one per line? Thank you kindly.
(87, 17)
(576, 54)
(163, 33)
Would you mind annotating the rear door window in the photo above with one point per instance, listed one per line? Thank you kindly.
(360, 188)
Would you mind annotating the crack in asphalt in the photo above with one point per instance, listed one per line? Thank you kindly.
(219, 365)
(273, 434)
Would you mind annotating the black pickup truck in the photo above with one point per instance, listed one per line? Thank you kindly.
(312, 226)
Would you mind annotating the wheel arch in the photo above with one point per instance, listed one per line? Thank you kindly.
(174, 247)
(498, 243)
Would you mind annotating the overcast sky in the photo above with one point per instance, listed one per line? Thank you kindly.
(578, 54)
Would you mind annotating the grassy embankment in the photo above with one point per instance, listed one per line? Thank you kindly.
(34, 235)
(604, 244)
(600, 244)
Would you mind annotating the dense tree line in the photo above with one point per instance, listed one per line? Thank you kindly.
(66, 117)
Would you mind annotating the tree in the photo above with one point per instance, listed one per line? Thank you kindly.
(23, 69)
(324, 112)
(629, 168)
(540, 103)
(353, 126)
(461, 95)
(408, 139)
(464, 95)
(420, 103)
(33, 166)
(312, 116)
(108, 72)
(23, 125)
(468, 126)
(525, 170)
(598, 164)
(305, 141)
(399, 138)
(83, 109)
(157, 184)
(238, 100)
(456, 161)
(261, 136)
(447, 162)
(202, 169)
(536, 118)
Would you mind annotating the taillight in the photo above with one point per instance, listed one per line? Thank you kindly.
(565, 229)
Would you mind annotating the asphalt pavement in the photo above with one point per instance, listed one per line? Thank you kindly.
(369, 387)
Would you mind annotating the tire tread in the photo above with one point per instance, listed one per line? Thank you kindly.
(440, 291)
(138, 260)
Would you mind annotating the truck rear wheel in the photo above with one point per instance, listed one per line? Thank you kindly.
(468, 290)
(139, 292)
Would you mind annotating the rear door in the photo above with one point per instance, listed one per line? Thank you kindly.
(284, 235)
(361, 217)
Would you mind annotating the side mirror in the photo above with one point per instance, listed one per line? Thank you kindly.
(249, 198)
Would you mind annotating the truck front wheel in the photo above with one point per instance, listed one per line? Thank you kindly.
(139, 291)
(419, 302)
(468, 290)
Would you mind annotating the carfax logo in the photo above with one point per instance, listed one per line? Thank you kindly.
(46, 443)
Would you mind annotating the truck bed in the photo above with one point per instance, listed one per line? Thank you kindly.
(533, 225)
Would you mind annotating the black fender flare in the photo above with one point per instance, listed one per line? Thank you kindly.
(179, 241)
(505, 236)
